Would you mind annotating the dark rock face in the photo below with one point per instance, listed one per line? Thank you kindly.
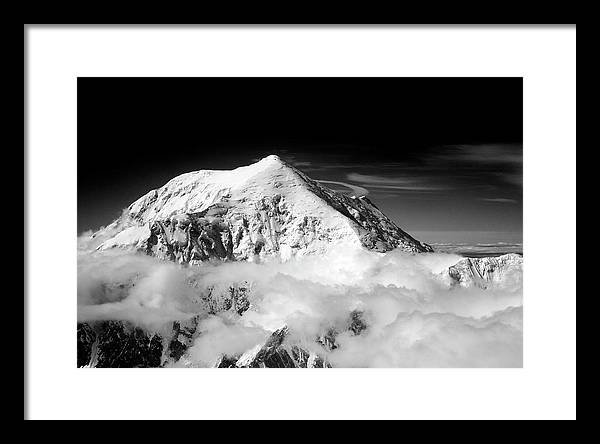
(183, 337)
(272, 354)
(234, 298)
(86, 338)
(303, 359)
(300, 356)
(357, 323)
(275, 353)
(327, 340)
(215, 234)
(195, 238)
(227, 362)
(121, 344)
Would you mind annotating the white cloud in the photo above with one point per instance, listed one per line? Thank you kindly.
(355, 189)
(414, 316)
(393, 183)
(499, 200)
(219, 337)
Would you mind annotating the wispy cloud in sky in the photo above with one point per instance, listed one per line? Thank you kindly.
(447, 169)
(393, 183)
(485, 154)
(355, 189)
(504, 161)
(499, 200)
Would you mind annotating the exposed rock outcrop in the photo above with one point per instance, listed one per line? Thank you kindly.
(488, 271)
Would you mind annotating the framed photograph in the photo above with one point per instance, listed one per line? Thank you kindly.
(347, 210)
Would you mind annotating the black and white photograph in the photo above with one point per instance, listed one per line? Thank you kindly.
(300, 222)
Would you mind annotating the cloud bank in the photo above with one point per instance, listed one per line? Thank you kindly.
(414, 316)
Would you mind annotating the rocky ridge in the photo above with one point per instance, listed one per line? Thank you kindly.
(487, 271)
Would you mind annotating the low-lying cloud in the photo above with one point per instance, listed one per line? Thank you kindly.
(414, 316)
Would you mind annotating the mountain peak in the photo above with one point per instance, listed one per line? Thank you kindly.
(268, 208)
(271, 159)
(271, 162)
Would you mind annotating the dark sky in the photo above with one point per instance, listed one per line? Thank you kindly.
(434, 154)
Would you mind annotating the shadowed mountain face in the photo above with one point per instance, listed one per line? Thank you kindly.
(265, 209)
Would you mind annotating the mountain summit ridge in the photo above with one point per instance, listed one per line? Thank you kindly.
(268, 208)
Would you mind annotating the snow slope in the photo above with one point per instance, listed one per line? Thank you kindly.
(265, 209)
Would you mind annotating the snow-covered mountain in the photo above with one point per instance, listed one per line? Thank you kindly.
(265, 209)
(271, 210)
(483, 272)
